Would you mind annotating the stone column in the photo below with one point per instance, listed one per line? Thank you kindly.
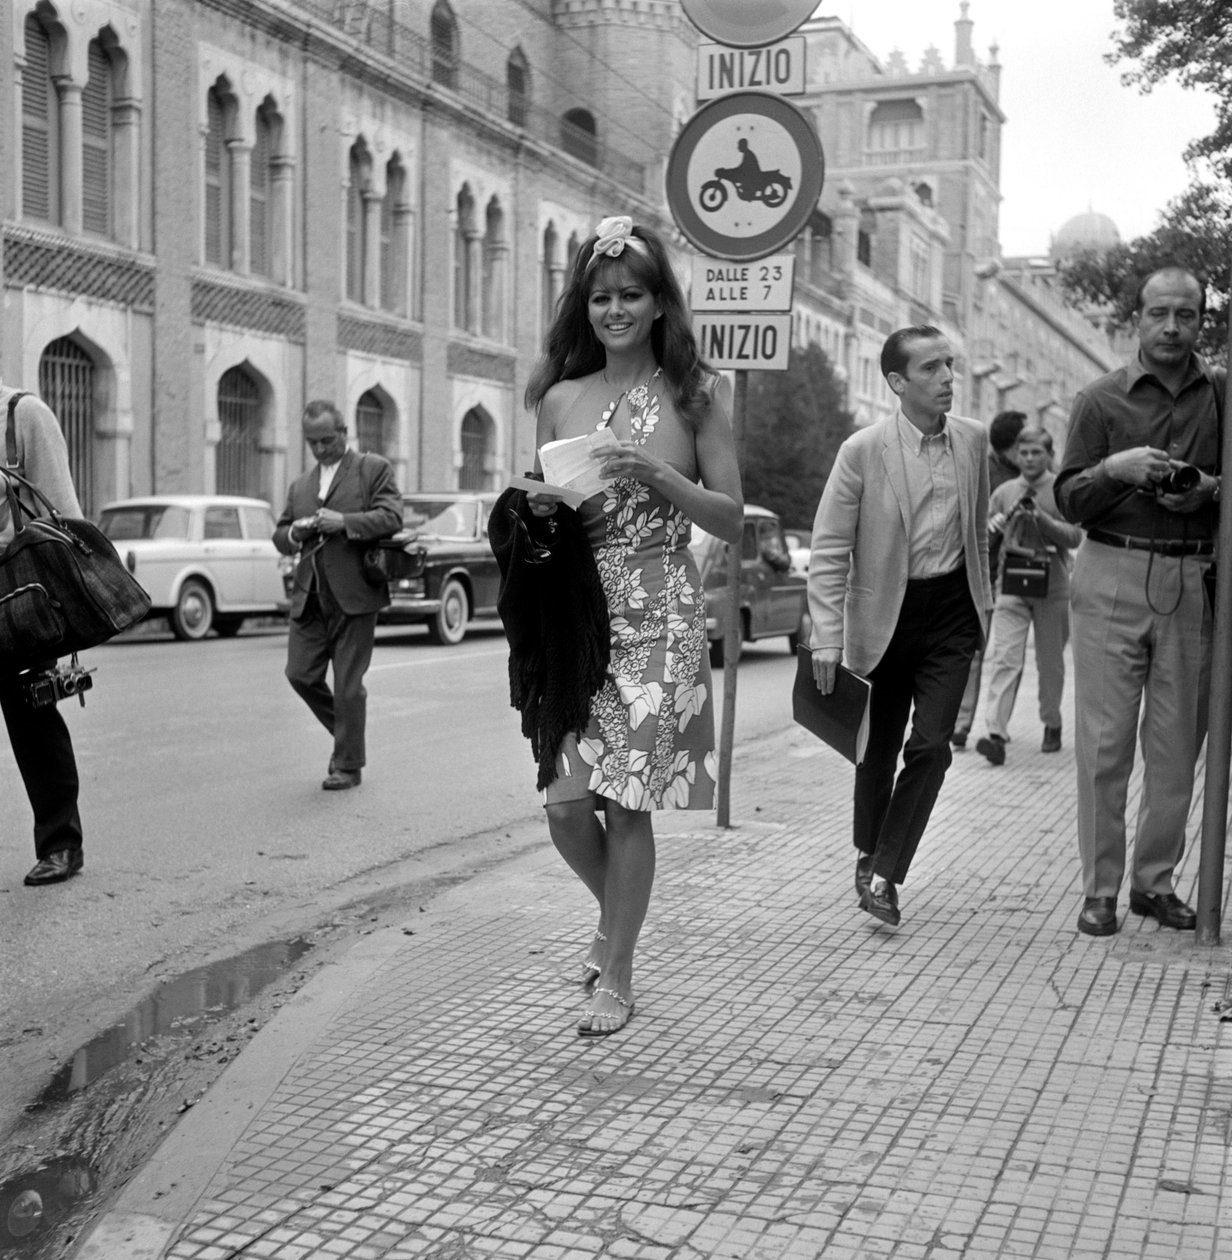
(241, 207)
(474, 282)
(401, 260)
(371, 267)
(70, 155)
(497, 288)
(127, 187)
(282, 220)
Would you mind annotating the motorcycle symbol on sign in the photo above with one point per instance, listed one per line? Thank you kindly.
(749, 180)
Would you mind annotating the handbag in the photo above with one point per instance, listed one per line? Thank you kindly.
(63, 586)
(1024, 576)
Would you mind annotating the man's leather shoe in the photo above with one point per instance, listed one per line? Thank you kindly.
(1098, 916)
(58, 865)
(881, 901)
(959, 738)
(340, 780)
(864, 875)
(1052, 739)
(993, 748)
(1168, 908)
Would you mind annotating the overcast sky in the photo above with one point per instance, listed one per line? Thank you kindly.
(1075, 138)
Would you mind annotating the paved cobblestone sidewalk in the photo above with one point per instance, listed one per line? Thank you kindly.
(798, 1081)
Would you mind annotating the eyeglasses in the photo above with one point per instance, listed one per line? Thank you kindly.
(533, 552)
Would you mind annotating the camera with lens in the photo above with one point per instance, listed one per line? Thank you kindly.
(1178, 480)
(50, 686)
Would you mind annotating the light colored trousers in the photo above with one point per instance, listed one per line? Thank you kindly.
(1012, 617)
(1133, 653)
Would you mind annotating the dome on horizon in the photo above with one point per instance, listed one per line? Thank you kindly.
(1089, 231)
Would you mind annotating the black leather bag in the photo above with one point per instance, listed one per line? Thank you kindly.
(1024, 576)
(63, 587)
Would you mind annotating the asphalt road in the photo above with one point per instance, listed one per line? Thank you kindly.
(207, 831)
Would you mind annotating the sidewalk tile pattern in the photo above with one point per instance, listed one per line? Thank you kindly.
(798, 1081)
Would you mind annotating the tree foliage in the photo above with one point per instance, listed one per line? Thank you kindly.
(794, 424)
(1191, 39)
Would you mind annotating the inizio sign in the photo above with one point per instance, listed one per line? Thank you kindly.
(778, 68)
(744, 341)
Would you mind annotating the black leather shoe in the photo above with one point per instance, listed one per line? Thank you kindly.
(1098, 916)
(864, 875)
(1052, 739)
(340, 780)
(881, 901)
(57, 866)
(993, 748)
(959, 739)
(1168, 908)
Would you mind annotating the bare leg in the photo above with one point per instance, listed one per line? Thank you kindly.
(630, 869)
(580, 839)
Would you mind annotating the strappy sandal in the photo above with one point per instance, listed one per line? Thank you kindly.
(591, 971)
(586, 1028)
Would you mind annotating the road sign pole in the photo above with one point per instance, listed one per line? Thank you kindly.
(731, 623)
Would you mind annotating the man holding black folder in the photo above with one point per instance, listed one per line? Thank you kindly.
(899, 592)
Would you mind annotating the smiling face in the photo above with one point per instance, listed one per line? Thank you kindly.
(926, 389)
(621, 309)
(1169, 321)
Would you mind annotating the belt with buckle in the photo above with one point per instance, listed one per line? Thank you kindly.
(1160, 546)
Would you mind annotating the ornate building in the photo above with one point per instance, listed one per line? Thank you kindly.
(220, 209)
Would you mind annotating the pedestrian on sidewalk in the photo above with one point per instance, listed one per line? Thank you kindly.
(42, 744)
(899, 592)
(1024, 518)
(621, 354)
(1003, 432)
(1138, 473)
(333, 514)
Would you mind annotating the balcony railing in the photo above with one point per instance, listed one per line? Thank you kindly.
(370, 22)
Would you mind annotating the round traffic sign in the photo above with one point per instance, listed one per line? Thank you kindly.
(748, 23)
(744, 175)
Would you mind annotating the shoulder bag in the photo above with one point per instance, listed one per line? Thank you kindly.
(63, 587)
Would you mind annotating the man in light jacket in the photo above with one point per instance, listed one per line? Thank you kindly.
(899, 592)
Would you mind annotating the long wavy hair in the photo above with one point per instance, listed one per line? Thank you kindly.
(571, 348)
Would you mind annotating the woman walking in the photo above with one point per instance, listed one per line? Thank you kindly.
(621, 355)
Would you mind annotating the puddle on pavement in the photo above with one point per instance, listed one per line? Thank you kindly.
(176, 1008)
(40, 1199)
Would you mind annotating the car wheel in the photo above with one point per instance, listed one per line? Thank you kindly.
(448, 626)
(228, 627)
(193, 615)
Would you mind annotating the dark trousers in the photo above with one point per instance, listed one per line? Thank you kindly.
(323, 636)
(925, 665)
(43, 750)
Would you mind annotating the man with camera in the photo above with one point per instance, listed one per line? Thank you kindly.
(333, 513)
(1138, 474)
(42, 745)
(1032, 591)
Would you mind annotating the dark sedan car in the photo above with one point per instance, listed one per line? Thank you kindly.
(773, 598)
(445, 573)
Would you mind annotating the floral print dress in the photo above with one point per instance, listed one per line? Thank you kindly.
(650, 742)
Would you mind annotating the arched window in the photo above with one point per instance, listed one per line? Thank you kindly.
(474, 442)
(261, 192)
(370, 424)
(896, 131)
(395, 238)
(217, 182)
(356, 226)
(464, 316)
(96, 150)
(40, 129)
(237, 461)
(66, 385)
(495, 266)
(445, 51)
(517, 79)
(577, 136)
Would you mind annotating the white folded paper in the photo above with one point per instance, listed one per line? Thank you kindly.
(571, 467)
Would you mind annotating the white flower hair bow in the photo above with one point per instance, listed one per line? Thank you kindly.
(614, 234)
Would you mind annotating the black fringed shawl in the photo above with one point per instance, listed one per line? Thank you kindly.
(556, 620)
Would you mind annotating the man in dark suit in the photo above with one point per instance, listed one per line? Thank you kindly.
(333, 512)
(899, 592)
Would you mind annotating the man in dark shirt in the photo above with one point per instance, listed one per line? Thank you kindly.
(1141, 629)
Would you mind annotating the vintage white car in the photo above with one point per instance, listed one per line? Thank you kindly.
(207, 560)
